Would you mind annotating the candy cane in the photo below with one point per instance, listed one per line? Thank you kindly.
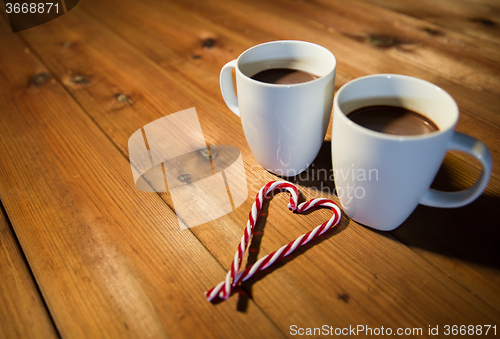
(223, 290)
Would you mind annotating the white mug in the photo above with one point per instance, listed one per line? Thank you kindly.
(284, 125)
(381, 178)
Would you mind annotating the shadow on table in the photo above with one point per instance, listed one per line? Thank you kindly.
(317, 177)
(253, 252)
(469, 233)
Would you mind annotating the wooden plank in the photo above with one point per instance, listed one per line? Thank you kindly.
(355, 263)
(110, 260)
(478, 19)
(444, 52)
(22, 308)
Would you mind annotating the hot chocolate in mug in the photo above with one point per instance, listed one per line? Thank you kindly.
(380, 178)
(284, 123)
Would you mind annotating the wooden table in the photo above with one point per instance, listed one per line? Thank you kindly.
(84, 253)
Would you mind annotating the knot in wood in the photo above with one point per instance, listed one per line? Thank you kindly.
(39, 79)
(80, 79)
(185, 178)
(382, 40)
(208, 154)
(209, 42)
(123, 98)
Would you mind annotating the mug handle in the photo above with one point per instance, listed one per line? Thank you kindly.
(480, 151)
(227, 87)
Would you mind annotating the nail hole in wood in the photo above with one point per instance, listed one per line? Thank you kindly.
(209, 42)
(344, 297)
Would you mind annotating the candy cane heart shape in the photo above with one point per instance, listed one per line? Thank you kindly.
(233, 278)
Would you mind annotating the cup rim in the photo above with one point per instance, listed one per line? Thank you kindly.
(393, 137)
(237, 68)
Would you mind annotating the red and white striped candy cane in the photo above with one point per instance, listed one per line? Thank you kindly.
(233, 278)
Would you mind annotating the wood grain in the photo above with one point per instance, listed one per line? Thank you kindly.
(366, 277)
(478, 19)
(230, 26)
(483, 287)
(22, 308)
(110, 260)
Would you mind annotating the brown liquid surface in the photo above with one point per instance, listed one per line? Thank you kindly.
(392, 120)
(283, 76)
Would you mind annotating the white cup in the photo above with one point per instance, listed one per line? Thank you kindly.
(284, 125)
(380, 178)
